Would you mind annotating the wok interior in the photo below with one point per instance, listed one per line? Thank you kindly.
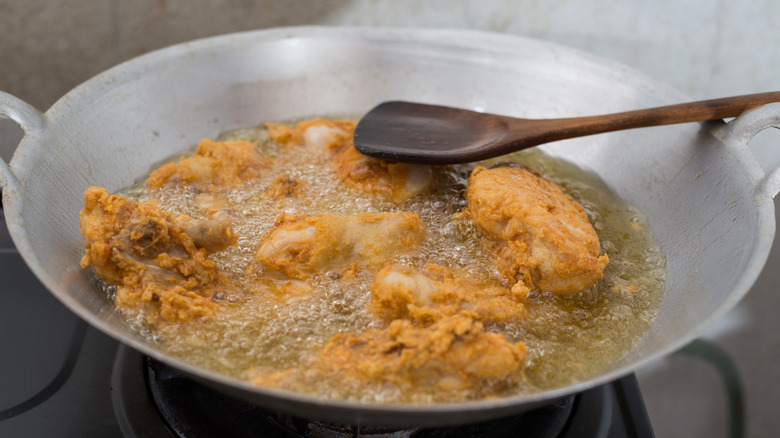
(111, 131)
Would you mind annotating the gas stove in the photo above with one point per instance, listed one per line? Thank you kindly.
(60, 377)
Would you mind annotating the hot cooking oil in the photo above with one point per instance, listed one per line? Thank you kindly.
(569, 338)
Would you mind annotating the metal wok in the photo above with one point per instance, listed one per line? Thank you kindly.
(707, 199)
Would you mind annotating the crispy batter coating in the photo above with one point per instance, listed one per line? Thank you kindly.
(393, 181)
(317, 133)
(453, 354)
(542, 237)
(435, 291)
(214, 164)
(300, 246)
(284, 187)
(156, 259)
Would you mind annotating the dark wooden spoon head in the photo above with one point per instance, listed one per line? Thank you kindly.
(428, 134)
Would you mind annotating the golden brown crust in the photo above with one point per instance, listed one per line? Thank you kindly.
(285, 187)
(453, 354)
(541, 237)
(214, 164)
(435, 291)
(150, 256)
(299, 246)
(392, 181)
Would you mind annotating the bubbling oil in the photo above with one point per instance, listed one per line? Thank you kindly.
(569, 338)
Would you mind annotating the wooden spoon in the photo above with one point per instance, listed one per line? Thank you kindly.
(432, 134)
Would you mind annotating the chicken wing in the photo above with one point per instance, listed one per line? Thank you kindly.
(156, 259)
(435, 291)
(301, 246)
(453, 354)
(541, 237)
(393, 181)
(214, 164)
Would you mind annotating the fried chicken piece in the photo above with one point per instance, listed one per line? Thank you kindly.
(453, 354)
(282, 134)
(300, 246)
(541, 236)
(317, 133)
(285, 187)
(215, 164)
(435, 291)
(393, 181)
(156, 259)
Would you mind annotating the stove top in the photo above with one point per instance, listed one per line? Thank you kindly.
(63, 378)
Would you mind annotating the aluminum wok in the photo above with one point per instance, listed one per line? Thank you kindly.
(708, 201)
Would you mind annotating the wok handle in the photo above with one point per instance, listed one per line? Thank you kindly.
(740, 130)
(32, 123)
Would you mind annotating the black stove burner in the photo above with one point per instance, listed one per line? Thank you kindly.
(545, 422)
(191, 410)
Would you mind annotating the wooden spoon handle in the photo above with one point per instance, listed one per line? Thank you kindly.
(697, 111)
(557, 129)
